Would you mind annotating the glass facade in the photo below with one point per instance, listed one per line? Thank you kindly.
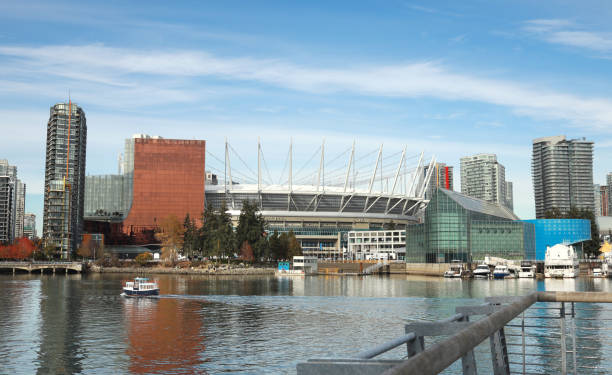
(457, 227)
(549, 232)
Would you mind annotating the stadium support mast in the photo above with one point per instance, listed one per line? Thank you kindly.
(348, 169)
(291, 165)
(321, 173)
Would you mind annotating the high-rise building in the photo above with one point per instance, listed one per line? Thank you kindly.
(161, 177)
(509, 195)
(609, 192)
(29, 226)
(562, 172)
(484, 178)
(442, 176)
(12, 203)
(604, 192)
(20, 193)
(65, 177)
(597, 199)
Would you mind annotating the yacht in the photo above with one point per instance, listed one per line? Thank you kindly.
(528, 270)
(482, 271)
(140, 286)
(501, 271)
(561, 261)
(456, 270)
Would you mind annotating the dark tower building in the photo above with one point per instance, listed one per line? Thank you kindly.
(64, 177)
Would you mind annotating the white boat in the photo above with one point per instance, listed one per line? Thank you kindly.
(501, 271)
(561, 261)
(528, 270)
(597, 272)
(456, 270)
(482, 271)
(140, 286)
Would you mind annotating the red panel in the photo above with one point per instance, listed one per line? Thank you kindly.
(169, 180)
(446, 183)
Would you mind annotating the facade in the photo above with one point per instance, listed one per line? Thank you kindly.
(549, 232)
(29, 226)
(562, 172)
(12, 203)
(441, 177)
(597, 199)
(458, 227)
(484, 178)
(161, 178)
(377, 245)
(609, 191)
(509, 195)
(603, 201)
(20, 195)
(65, 177)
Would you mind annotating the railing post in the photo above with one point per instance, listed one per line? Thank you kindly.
(468, 361)
(415, 346)
(499, 353)
(573, 332)
(563, 346)
(523, 339)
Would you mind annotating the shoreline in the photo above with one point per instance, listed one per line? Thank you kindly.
(183, 271)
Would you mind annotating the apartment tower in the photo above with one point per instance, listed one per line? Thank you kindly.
(562, 172)
(484, 178)
(64, 177)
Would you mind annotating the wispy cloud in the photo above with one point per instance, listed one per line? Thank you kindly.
(137, 76)
(567, 33)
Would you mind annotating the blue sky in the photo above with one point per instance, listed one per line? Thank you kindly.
(447, 78)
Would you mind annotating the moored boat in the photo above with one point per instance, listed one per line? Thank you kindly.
(482, 271)
(456, 270)
(561, 261)
(141, 286)
(501, 271)
(528, 270)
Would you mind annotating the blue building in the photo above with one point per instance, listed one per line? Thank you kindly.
(549, 232)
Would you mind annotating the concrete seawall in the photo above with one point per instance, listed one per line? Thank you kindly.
(185, 271)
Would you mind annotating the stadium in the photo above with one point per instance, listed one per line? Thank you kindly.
(324, 199)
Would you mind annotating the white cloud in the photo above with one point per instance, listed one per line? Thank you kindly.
(567, 33)
(150, 77)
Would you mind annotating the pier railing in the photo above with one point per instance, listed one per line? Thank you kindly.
(554, 332)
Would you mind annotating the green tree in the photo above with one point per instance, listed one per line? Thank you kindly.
(251, 228)
(224, 232)
(191, 237)
(275, 246)
(143, 258)
(207, 241)
(295, 249)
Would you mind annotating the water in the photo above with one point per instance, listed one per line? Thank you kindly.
(205, 324)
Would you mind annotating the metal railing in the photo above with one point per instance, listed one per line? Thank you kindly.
(543, 331)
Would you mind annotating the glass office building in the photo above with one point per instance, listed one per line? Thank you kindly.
(550, 232)
(458, 227)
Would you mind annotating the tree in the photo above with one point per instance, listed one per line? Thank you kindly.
(224, 232)
(171, 237)
(246, 252)
(251, 228)
(207, 231)
(85, 250)
(283, 240)
(190, 238)
(143, 258)
(295, 249)
(275, 246)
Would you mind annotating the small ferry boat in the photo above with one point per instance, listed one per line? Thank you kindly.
(456, 270)
(141, 286)
(501, 271)
(482, 271)
(528, 270)
(597, 272)
(561, 261)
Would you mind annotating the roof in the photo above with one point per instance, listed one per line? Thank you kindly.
(479, 205)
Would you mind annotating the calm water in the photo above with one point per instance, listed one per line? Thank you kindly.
(80, 324)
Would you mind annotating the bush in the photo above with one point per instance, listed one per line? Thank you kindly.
(143, 258)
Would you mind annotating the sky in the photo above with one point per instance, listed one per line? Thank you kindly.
(448, 79)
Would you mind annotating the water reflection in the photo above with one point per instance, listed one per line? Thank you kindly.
(164, 335)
